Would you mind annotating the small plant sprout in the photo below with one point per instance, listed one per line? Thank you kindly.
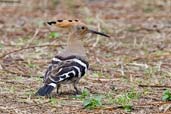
(53, 101)
(85, 93)
(12, 89)
(125, 100)
(54, 35)
(166, 95)
(92, 102)
(109, 97)
(150, 71)
(1, 45)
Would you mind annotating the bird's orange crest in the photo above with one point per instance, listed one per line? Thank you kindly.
(65, 23)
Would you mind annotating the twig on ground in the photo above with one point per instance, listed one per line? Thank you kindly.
(21, 49)
(12, 72)
(155, 86)
(100, 79)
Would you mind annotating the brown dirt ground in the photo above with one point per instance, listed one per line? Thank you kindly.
(137, 56)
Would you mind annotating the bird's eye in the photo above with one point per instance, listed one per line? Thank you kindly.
(82, 27)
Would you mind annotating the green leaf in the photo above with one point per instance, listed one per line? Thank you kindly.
(89, 20)
(54, 35)
(148, 10)
(92, 102)
(86, 102)
(128, 108)
(53, 101)
(166, 95)
(133, 94)
(1, 45)
(85, 93)
(98, 97)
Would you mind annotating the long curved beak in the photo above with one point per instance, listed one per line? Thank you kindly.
(99, 33)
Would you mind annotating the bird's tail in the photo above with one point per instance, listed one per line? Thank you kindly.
(46, 89)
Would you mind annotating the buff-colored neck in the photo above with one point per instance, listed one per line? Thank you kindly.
(74, 46)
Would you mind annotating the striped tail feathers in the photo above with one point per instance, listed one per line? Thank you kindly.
(46, 89)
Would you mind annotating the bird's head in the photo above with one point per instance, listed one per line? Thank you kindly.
(77, 26)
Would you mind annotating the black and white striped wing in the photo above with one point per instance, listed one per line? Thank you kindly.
(68, 70)
(54, 64)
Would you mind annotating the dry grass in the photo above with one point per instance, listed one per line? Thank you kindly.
(135, 61)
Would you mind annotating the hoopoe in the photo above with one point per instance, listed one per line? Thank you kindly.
(70, 65)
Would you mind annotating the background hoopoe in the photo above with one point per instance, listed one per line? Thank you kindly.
(71, 64)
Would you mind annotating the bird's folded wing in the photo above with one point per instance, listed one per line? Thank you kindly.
(54, 64)
(63, 71)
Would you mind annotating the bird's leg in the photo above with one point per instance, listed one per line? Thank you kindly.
(57, 88)
(76, 89)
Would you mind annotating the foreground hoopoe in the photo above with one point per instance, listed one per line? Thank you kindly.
(70, 64)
